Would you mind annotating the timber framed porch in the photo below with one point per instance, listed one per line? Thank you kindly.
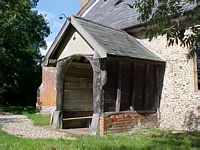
(101, 84)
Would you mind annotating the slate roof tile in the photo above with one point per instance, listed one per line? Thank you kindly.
(119, 17)
(116, 42)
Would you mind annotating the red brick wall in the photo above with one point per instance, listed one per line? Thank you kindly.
(123, 122)
(47, 90)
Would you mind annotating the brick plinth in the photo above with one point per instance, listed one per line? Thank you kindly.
(123, 122)
(47, 90)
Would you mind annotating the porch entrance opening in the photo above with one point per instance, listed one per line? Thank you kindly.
(78, 94)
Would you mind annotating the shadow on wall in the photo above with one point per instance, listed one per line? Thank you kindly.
(192, 120)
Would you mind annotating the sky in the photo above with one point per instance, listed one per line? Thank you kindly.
(52, 9)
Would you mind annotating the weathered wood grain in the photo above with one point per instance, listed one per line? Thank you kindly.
(119, 88)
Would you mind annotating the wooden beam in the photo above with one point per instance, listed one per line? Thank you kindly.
(60, 73)
(119, 88)
(99, 80)
(146, 86)
(103, 67)
(157, 90)
(96, 86)
(52, 61)
(133, 85)
(77, 118)
(94, 129)
(60, 77)
(138, 60)
(59, 85)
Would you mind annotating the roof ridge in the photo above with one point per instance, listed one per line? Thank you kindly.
(85, 6)
(99, 24)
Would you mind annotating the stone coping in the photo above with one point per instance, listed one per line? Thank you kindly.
(130, 112)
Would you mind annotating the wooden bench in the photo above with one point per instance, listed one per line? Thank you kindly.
(77, 122)
(77, 118)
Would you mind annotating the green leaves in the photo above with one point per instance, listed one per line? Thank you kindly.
(177, 19)
(22, 35)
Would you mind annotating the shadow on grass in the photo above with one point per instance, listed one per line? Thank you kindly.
(161, 140)
(158, 141)
(18, 110)
(183, 140)
(187, 141)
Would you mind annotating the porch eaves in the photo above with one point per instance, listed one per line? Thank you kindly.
(103, 40)
(113, 41)
(55, 43)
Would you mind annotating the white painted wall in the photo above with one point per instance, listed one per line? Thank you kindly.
(76, 46)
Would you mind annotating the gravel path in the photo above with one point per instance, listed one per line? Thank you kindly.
(20, 125)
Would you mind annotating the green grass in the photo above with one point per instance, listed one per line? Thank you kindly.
(8, 142)
(153, 139)
(39, 119)
(30, 112)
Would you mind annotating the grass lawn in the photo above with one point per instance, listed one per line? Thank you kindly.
(30, 112)
(152, 139)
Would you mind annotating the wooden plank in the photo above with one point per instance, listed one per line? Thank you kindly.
(146, 86)
(111, 86)
(117, 109)
(60, 73)
(77, 118)
(103, 73)
(78, 99)
(80, 65)
(79, 84)
(152, 87)
(125, 86)
(79, 104)
(132, 89)
(78, 95)
(139, 89)
(53, 62)
(129, 59)
(56, 119)
(77, 109)
(157, 93)
(118, 100)
(79, 73)
(97, 89)
(74, 114)
(95, 124)
(127, 112)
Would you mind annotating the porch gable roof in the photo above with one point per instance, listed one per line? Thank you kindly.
(103, 40)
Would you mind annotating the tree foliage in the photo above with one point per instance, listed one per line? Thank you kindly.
(22, 35)
(179, 20)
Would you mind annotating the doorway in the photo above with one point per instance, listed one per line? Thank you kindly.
(78, 94)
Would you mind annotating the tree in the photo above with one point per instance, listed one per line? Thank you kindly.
(22, 35)
(179, 20)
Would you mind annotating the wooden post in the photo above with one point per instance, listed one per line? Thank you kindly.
(60, 77)
(103, 81)
(146, 86)
(96, 87)
(117, 108)
(133, 86)
(60, 74)
(157, 79)
(99, 80)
